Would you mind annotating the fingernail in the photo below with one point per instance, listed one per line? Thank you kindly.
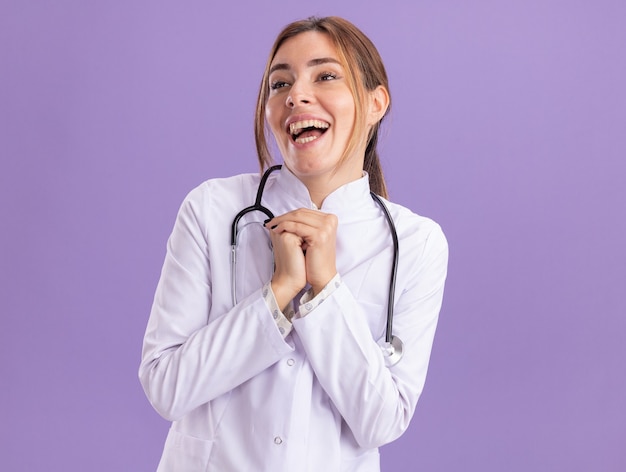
(266, 221)
(273, 226)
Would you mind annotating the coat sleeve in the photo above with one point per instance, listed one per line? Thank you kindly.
(187, 359)
(377, 402)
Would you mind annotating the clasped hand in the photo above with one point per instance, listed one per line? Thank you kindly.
(304, 251)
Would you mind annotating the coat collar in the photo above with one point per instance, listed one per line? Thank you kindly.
(348, 198)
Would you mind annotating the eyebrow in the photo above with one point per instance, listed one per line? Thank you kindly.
(311, 63)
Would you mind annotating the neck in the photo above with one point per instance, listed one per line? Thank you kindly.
(320, 187)
(318, 197)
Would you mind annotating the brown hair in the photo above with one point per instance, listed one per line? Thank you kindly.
(364, 70)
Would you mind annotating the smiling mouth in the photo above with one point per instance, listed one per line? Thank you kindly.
(305, 131)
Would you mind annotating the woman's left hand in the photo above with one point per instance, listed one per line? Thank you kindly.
(318, 232)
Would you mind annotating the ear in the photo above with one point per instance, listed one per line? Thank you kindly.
(378, 104)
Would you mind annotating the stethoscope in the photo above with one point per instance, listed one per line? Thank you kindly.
(392, 347)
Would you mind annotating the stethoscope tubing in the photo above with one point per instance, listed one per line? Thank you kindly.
(393, 346)
(394, 267)
(233, 232)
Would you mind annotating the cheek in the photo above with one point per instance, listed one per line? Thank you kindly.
(346, 117)
(272, 116)
(345, 109)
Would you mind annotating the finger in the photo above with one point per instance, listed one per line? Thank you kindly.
(301, 215)
(319, 234)
(300, 220)
(289, 265)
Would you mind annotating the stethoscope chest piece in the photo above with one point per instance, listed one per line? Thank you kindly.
(392, 351)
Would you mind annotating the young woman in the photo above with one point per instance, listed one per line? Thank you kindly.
(276, 356)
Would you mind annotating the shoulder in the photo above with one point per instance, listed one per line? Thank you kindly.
(417, 232)
(219, 198)
(223, 194)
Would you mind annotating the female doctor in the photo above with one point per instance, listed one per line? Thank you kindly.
(278, 366)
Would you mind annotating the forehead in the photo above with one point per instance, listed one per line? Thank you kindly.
(304, 47)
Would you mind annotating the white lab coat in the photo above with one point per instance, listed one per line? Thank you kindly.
(242, 398)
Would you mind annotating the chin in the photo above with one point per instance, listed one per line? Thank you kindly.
(310, 169)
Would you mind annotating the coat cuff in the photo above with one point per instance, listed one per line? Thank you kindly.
(282, 320)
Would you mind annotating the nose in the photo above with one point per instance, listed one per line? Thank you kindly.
(299, 94)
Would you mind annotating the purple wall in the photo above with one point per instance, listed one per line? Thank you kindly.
(508, 127)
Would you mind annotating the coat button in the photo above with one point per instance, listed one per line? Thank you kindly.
(290, 362)
(278, 440)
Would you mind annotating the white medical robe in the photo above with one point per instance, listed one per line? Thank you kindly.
(242, 398)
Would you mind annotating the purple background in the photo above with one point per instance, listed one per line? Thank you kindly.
(508, 128)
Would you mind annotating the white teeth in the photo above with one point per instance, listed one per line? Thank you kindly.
(305, 140)
(298, 125)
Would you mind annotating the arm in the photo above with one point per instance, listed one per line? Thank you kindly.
(188, 360)
(377, 402)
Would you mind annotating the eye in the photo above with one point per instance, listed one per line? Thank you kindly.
(327, 76)
(278, 84)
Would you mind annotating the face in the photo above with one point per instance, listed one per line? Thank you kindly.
(311, 111)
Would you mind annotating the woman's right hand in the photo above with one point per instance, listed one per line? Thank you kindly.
(289, 267)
